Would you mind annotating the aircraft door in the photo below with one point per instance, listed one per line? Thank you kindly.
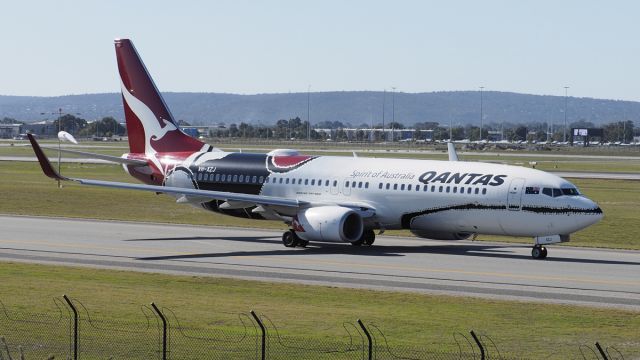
(334, 189)
(514, 199)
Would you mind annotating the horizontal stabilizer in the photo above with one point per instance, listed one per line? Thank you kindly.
(114, 159)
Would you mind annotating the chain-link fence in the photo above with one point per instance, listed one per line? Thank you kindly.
(70, 331)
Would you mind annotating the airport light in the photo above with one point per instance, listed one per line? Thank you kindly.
(384, 100)
(481, 115)
(564, 132)
(308, 113)
(393, 112)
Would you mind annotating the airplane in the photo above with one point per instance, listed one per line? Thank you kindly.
(334, 198)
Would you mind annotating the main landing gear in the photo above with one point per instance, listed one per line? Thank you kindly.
(367, 238)
(539, 252)
(290, 239)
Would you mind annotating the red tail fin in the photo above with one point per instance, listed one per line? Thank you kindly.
(150, 125)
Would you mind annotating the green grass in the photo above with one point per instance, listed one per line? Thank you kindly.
(316, 313)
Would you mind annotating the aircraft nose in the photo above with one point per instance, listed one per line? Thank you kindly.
(592, 213)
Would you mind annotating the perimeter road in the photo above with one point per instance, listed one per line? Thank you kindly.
(594, 277)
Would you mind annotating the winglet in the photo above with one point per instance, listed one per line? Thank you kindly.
(44, 161)
(451, 149)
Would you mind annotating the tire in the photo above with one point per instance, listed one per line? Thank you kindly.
(538, 252)
(289, 239)
(368, 237)
(544, 253)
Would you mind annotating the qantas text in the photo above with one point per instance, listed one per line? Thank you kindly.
(464, 178)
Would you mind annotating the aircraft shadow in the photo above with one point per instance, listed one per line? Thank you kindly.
(475, 250)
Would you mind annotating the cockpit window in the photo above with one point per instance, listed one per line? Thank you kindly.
(532, 190)
(547, 191)
(570, 191)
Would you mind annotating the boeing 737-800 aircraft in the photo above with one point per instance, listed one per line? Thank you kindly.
(331, 198)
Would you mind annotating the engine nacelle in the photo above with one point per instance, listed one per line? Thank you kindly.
(329, 223)
(441, 235)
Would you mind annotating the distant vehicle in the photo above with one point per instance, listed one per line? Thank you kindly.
(20, 137)
(332, 198)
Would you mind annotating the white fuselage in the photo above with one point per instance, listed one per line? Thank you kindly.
(429, 195)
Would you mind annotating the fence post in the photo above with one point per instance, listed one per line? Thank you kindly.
(263, 347)
(75, 326)
(601, 350)
(164, 330)
(475, 338)
(369, 340)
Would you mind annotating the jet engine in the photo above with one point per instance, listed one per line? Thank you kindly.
(328, 223)
(441, 235)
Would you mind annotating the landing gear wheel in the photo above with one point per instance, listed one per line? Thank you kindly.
(290, 239)
(368, 237)
(539, 252)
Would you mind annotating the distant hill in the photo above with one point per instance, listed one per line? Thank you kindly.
(349, 107)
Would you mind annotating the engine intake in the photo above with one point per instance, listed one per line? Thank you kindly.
(329, 223)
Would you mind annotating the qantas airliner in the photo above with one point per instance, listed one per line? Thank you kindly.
(331, 198)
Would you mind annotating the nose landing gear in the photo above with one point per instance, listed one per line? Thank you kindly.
(539, 252)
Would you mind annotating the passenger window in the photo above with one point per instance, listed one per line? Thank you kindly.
(235, 178)
(241, 178)
(461, 189)
(440, 189)
(426, 188)
(306, 181)
(326, 183)
(387, 186)
(360, 185)
(433, 188)
(366, 185)
(484, 191)
(455, 189)
(319, 182)
(557, 192)
(223, 178)
(313, 181)
(402, 187)
(547, 191)
(448, 188)
(353, 184)
(299, 181)
(418, 187)
(395, 186)
(409, 187)
(286, 181)
(380, 186)
(280, 180)
(468, 190)
(254, 179)
(217, 177)
(199, 176)
(346, 184)
(477, 191)
(335, 182)
(261, 179)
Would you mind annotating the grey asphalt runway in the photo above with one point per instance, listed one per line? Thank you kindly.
(594, 277)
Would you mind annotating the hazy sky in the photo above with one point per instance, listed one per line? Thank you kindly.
(66, 47)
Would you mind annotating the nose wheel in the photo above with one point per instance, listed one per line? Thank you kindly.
(539, 252)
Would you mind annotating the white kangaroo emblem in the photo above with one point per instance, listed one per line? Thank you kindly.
(151, 125)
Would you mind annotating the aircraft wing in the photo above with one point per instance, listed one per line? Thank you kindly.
(219, 195)
(114, 159)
